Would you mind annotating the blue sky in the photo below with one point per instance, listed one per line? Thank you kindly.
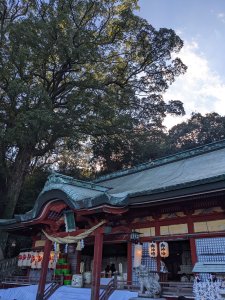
(201, 25)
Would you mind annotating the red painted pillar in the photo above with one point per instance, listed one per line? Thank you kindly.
(193, 251)
(192, 241)
(129, 263)
(157, 233)
(97, 266)
(44, 269)
(78, 261)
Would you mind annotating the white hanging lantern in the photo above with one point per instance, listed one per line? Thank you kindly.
(134, 236)
(164, 249)
(29, 259)
(24, 259)
(51, 260)
(20, 259)
(39, 259)
(33, 260)
(52, 255)
(152, 249)
(120, 268)
(137, 255)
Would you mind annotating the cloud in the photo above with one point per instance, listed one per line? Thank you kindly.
(221, 17)
(201, 89)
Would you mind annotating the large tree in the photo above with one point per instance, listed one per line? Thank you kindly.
(198, 130)
(112, 153)
(71, 69)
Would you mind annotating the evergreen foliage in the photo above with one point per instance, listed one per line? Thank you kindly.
(72, 70)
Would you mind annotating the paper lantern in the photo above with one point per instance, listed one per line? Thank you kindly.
(137, 255)
(39, 259)
(120, 268)
(152, 249)
(52, 255)
(52, 258)
(134, 236)
(20, 259)
(33, 260)
(164, 249)
(24, 259)
(29, 259)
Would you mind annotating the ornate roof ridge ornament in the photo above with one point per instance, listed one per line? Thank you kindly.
(57, 178)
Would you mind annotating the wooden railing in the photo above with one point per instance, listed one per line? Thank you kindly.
(15, 281)
(19, 280)
(175, 289)
(51, 289)
(26, 280)
(107, 290)
(169, 289)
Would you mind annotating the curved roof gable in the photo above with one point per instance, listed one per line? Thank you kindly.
(203, 167)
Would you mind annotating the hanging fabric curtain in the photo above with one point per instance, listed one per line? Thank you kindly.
(164, 249)
(73, 239)
(152, 249)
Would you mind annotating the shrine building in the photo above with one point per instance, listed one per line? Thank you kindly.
(173, 205)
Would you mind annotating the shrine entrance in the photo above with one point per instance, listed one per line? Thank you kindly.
(178, 263)
(115, 253)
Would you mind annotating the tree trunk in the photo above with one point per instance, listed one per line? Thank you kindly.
(13, 189)
(16, 181)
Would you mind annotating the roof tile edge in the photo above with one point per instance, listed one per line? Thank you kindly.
(165, 160)
(64, 179)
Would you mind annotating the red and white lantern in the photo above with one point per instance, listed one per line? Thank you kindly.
(28, 259)
(39, 259)
(34, 259)
(20, 259)
(164, 249)
(24, 259)
(152, 249)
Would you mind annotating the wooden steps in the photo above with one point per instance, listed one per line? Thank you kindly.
(170, 290)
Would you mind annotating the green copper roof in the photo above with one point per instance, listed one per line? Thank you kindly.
(56, 178)
(165, 160)
(192, 170)
(197, 170)
(76, 193)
